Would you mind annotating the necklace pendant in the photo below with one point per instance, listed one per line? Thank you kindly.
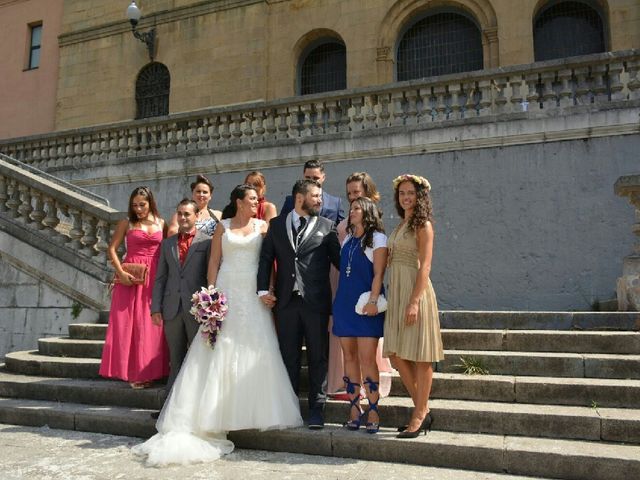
(348, 271)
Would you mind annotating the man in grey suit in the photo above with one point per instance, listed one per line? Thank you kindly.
(182, 270)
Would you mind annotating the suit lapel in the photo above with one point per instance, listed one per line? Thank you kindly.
(288, 226)
(310, 230)
(173, 246)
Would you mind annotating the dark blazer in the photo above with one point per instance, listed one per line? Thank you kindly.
(175, 283)
(331, 207)
(309, 266)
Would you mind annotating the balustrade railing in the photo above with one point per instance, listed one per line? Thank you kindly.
(61, 213)
(554, 86)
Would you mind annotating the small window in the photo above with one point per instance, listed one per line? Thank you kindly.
(152, 91)
(324, 68)
(34, 46)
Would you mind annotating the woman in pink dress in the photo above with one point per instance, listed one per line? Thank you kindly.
(266, 210)
(359, 184)
(135, 349)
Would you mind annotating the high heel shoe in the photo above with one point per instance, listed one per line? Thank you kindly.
(424, 428)
(353, 424)
(372, 427)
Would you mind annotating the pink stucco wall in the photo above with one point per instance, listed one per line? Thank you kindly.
(28, 97)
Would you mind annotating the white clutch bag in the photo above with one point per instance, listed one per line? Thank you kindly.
(364, 299)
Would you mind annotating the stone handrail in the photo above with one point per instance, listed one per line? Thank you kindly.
(628, 286)
(74, 221)
(552, 87)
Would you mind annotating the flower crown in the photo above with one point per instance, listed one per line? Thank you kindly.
(414, 178)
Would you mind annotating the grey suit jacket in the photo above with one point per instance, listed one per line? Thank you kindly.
(175, 283)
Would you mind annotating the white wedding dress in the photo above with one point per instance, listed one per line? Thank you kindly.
(240, 384)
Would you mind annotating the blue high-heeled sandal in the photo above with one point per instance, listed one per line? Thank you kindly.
(351, 389)
(372, 427)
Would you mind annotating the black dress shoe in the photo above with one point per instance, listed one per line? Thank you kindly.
(424, 428)
(316, 420)
(155, 415)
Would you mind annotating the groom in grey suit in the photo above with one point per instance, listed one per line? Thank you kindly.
(182, 270)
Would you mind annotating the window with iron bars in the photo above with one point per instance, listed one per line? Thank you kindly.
(324, 69)
(152, 91)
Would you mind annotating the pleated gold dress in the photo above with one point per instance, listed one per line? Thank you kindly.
(420, 342)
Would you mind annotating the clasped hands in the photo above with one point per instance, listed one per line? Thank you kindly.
(269, 299)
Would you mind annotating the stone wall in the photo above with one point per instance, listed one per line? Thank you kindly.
(528, 227)
(30, 309)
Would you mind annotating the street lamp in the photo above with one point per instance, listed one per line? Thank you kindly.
(148, 38)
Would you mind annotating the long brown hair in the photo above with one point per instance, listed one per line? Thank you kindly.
(423, 212)
(371, 221)
(148, 196)
(369, 186)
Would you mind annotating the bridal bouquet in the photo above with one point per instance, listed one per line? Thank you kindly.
(209, 308)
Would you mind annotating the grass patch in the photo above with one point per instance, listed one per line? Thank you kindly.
(472, 366)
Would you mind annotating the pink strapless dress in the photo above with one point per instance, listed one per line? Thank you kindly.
(135, 349)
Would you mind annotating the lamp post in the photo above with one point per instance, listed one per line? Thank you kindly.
(148, 38)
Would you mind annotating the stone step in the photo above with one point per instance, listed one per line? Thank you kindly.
(552, 364)
(87, 340)
(550, 458)
(30, 362)
(87, 331)
(562, 341)
(70, 347)
(512, 320)
(585, 423)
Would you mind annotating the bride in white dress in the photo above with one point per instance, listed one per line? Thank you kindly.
(242, 382)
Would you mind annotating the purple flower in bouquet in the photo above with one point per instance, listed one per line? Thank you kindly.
(209, 308)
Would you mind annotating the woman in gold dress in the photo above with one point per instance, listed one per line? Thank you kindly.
(412, 339)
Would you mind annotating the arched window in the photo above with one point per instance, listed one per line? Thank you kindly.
(323, 68)
(152, 91)
(441, 43)
(566, 29)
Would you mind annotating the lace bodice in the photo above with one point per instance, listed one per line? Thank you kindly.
(240, 254)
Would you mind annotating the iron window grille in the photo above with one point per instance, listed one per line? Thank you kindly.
(566, 29)
(152, 91)
(324, 69)
(439, 44)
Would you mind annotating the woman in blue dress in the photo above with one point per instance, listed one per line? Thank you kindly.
(362, 264)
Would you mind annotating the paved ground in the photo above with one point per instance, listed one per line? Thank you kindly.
(47, 454)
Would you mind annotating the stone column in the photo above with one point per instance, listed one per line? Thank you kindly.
(628, 287)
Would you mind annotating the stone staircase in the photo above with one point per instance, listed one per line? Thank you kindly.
(562, 398)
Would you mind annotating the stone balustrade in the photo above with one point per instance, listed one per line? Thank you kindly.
(553, 87)
(50, 210)
(628, 288)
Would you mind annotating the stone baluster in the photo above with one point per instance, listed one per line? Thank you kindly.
(14, 199)
(398, 112)
(283, 125)
(25, 207)
(344, 120)
(51, 154)
(259, 129)
(90, 235)
(38, 213)
(358, 117)
(616, 86)
(583, 96)
(517, 88)
(470, 106)
(191, 135)
(237, 119)
(163, 137)
(77, 229)
(247, 131)
(86, 150)
(500, 98)
(182, 129)
(565, 77)
(307, 120)
(44, 154)
(533, 97)
(173, 137)
(133, 142)
(332, 121)
(370, 116)
(3, 194)
(412, 106)
(203, 133)
(64, 227)
(384, 115)
(123, 143)
(214, 131)
(107, 144)
(102, 244)
(319, 125)
(455, 89)
(225, 131)
(549, 96)
(486, 97)
(633, 69)
(296, 121)
(77, 151)
(439, 113)
(600, 83)
(51, 219)
(271, 128)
